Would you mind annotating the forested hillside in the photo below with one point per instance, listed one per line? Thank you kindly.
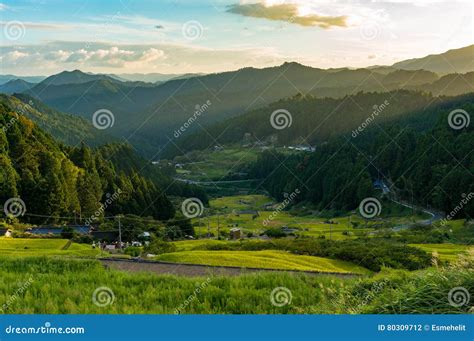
(55, 180)
(434, 167)
(67, 128)
(313, 120)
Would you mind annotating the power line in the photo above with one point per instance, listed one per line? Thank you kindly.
(109, 217)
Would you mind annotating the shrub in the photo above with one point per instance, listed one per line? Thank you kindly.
(158, 247)
(275, 233)
(133, 251)
(67, 232)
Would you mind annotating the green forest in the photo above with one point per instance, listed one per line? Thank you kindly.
(58, 180)
(419, 156)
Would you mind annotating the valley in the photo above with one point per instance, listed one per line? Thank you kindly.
(350, 190)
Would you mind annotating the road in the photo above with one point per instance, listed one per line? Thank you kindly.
(435, 216)
(196, 270)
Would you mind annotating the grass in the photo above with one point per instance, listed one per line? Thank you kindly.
(446, 252)
(188, 245)
(230, 207)
(60, 286)
(240, 202)
(214, 165)
(345, 227)
(44, 247)
(268, 259)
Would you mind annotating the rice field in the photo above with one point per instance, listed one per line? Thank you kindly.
(217, 164)
(249, 213)
(44, 247)
(446, 252)
(268, 259)
(60, 286)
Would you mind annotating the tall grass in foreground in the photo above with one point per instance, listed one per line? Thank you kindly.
(67, 287)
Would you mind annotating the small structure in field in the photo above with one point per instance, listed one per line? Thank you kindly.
(5, 232)
(235, 233)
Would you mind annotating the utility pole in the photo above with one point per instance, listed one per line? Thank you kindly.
(218, 225)
(208, 227)
(199, 227)
(120, 233)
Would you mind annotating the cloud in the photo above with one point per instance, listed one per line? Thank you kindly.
(57, 56)
(39, 25)
(113, 56)
(287, 12)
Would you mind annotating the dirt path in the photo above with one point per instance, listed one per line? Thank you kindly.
(195, 270)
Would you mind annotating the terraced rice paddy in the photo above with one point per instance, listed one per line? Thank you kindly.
(268, 259)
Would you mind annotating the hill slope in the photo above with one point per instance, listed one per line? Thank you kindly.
(452, 61)
(149, 115)
(430, 164)
(15, 85)
(75, 77)
(313, 120)
(67, 128)
(56, 181)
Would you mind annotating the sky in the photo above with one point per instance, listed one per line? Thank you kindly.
(43, 37)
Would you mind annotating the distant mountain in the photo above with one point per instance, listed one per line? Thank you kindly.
(151, 77)
(148, 115)
(75, 77)
(449, 85)
(383, 69)
(15, 85)
(31, 79)
(404, 78)
(69, 129)
(453, 61)
(187, 75)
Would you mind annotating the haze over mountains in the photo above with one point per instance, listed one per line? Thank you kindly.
(453, 61)
(147, 113)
